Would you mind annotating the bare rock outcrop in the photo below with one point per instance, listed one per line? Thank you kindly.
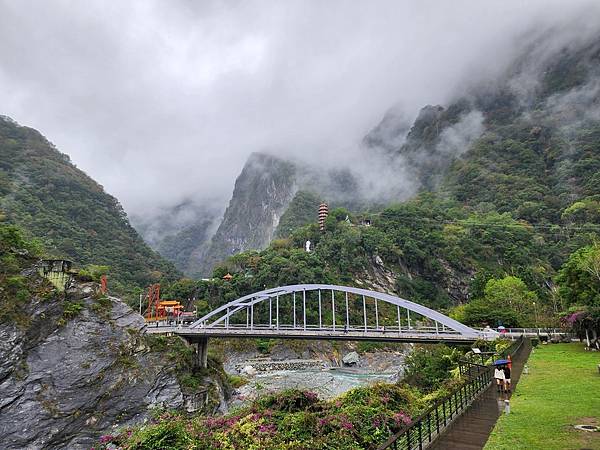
(78, 368)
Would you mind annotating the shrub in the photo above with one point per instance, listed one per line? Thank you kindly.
(289, 400)
(236, 381)
(428, 367)
(72, 309)
(166, 435)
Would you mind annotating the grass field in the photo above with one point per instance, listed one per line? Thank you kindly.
(562, 389)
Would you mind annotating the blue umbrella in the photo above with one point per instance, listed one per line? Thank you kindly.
(499, 362)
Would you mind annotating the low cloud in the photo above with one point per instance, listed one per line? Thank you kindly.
(455, 140)
(162, 102)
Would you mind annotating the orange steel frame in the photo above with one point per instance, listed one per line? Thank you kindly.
(157, 308)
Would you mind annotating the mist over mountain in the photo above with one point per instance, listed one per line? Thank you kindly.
(341, 96)
(215, 82)
(547, 86)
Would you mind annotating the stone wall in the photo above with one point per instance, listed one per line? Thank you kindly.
(268, 365)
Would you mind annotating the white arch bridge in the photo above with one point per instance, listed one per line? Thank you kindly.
(326, 312)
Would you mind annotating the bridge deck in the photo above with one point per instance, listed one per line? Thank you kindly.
(315, 334)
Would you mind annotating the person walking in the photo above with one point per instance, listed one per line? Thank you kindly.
(499, 376)
(506, 370)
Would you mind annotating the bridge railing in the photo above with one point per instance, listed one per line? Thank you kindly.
(531, 331)
(425, 428)
(339, 328)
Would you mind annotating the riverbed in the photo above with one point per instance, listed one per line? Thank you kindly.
(328, 382)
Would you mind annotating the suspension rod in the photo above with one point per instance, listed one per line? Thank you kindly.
(304, 308)
(347, 314)
(333, 307)
(320, 317)
(365, 313)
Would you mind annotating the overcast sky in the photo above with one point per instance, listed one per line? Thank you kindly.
(164, 100)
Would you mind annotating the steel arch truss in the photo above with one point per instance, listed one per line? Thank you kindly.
(335, 300)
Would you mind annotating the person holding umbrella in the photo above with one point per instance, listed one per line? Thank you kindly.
(499, 376)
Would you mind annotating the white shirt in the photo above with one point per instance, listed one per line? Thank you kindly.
(499, 373)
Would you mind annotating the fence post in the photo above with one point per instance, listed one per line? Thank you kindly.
(429, 426)
(421, 435)
(444, 411)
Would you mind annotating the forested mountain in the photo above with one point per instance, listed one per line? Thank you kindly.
(508, 189)
(262, 192)
(271, 197)
(525, 143)
(180, 234)
(45, 194)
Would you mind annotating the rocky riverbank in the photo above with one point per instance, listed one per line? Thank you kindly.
(328, 369)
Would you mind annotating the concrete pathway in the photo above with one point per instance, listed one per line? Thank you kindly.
(471, 430)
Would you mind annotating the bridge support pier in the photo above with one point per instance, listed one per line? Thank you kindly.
(200, 346)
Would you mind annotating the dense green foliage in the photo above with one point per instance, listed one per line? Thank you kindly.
(44, 193)
(505, 301)
(579, 287)
(429, 243)
(301, 211)
(579, 278)
(428, 367)
(16, 254)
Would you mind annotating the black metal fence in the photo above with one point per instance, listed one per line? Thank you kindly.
(425, 428)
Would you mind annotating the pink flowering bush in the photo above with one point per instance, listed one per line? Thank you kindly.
(362, 418)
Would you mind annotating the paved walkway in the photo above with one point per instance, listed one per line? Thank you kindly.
(471, 430)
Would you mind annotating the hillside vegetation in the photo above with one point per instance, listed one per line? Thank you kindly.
(45, 194)
(509, 193)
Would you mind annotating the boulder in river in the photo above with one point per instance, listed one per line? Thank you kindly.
(248, 370)
(351, 359)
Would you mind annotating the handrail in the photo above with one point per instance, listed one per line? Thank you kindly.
(427, 426)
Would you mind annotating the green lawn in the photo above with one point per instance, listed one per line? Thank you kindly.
(562, 389)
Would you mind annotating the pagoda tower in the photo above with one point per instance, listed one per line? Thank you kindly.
(323, 213)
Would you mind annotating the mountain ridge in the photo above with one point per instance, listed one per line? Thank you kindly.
(54, 201)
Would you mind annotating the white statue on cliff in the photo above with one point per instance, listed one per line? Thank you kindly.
(307, 246)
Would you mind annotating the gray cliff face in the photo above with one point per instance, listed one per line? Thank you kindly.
(262, 192)
(67, 380)
(262, 195)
